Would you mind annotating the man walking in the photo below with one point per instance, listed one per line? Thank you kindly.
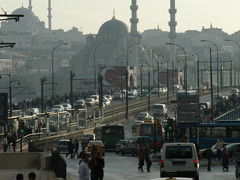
(83, 167)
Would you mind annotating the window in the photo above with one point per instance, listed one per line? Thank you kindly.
(178, 152)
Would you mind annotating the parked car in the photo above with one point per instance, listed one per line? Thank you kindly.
(62, 146)
(179, 160)
(119, 145)
(58, 108)
(235, 91)
(98, 144)
(67, 106)
(90, 102)
(86, 138)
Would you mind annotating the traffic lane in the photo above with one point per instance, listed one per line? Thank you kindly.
(119, 167)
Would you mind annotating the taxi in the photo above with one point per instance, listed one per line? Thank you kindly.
(98, 144)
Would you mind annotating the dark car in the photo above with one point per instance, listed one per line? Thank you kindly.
(232, 148)
(62, 146)
(119, 145)
(129, 147)
(85, 139)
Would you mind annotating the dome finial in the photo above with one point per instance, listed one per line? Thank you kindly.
(114, 14)
(22, 4)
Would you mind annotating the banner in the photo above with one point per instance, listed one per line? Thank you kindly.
(3, 108)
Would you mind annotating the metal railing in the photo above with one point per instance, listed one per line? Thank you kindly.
(233, 114)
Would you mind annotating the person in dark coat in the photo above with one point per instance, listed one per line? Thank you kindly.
(14, 141)
(147, 158)
(225, 160)
(209, 158)
(97, 165)
(70, 148)
(76, 148)
(140, 158)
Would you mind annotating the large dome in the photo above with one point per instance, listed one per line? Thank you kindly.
(26, 12)
(113, 27)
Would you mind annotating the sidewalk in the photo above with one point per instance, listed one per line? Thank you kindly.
(41, 175)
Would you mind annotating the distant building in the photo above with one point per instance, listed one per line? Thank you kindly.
(5, 65)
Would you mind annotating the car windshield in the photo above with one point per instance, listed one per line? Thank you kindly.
(178, 152)
(97, 143)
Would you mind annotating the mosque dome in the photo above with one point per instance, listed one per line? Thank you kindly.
(113, 27)
(26, 12)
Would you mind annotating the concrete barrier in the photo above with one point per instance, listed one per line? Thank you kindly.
(22, 161)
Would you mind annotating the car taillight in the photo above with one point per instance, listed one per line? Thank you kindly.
(196, 161)
(162, 163)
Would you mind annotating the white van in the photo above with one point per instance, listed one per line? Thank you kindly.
(159, 108)
(179, 160)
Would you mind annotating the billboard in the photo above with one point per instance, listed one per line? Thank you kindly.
(3, 108)
(115, 76)
(173, 76)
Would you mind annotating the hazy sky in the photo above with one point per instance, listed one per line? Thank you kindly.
(91, 14)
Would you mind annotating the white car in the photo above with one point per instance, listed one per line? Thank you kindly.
(106, 101)
(179, 160)
(96, 97)
(66, 106)
(90, 102)
(109, 97)
(143, 116)
(235, 91)
(32, 111)
(57, 108)
(159, 108)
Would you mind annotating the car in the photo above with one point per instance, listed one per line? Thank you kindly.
(129, 147)
(106, 101)
(132, 95)
(235, 91)
(86, 138)
(96, 97)
(80, 102)
(32, 111)
(117, 96)
(109, 97)
(203, 153)
(155, 91)
(67, 106)
(57, 108)
(206, 104)
(143, 116)
(232, 148)
(62, 146)
(144, 93)
(179, 160)
(98, 144)
(119, 145)
(90, 102)
(159, 108)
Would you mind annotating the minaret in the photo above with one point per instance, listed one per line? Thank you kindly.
(134, 19)
(172, 35)
(30, 5)
(49, 15)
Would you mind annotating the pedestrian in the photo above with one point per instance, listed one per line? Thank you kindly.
(147, 158)
(83, 167)
(76, 148)
(225, 160)
(140, 158)
(31, 176)
(99, 164)
(70, 148)
(209, 158)
(236, 157)
(19, 177)
(14, 141)
(5, 143)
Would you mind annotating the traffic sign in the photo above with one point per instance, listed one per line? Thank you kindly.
(188, 117)
(186, 98)
(188, 107)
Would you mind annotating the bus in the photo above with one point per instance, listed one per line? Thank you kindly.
(210, 133)
(109, 134)
(148, 129)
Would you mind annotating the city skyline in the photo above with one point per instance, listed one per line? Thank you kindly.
(90, 15)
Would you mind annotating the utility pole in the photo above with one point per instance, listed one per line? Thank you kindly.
(211, 82)
(127, 93)
(100, 79)
(141, 80)
(42, 81)
(149, 90)
(167, 84)
(72, 75)
(173, 77)
(158, 83)
(231, 78)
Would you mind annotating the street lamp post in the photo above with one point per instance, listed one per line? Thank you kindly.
(158, 83)
(217, 63)
(235, 42)
(149, 90)
(53, 66)
(42, 81)
(141, 81)
(211, 82)
(94, 62)
(185, 63)
(128, 48)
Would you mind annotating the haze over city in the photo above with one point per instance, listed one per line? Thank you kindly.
(90, 14)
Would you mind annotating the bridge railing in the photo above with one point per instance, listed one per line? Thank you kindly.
(234, 114)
